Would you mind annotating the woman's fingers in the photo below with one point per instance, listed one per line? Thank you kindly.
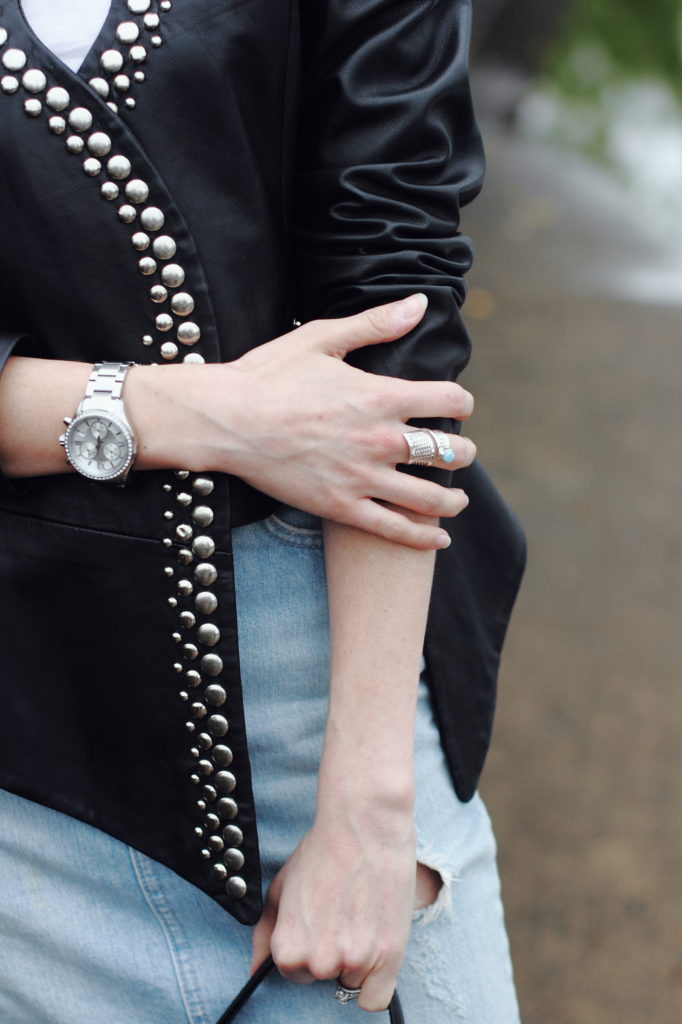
(429, 399)
(339, 336)
(463, 449)
(398, 528)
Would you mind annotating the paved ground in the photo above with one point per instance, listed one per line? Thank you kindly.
(579, 390)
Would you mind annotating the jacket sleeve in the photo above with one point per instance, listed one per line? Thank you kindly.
(13, 343)
(388, 152)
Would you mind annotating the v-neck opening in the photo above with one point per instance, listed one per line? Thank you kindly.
(105, 38)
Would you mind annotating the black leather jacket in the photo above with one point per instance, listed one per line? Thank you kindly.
(272, 159)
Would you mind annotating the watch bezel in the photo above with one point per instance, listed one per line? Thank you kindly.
(122, 472)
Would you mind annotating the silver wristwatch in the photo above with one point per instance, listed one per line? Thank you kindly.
(99, 441)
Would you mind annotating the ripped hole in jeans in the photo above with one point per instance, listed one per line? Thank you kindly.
(432, 893)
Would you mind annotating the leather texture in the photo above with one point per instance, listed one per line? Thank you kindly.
(310, 158)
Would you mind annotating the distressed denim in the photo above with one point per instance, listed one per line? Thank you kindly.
(94, 932)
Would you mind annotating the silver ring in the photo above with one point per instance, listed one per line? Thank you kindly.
(445, 450)
(422, 446)
(345, 995)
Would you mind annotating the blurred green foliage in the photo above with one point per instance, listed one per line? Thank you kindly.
(636, 38)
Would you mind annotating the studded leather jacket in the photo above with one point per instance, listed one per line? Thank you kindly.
(216, 169)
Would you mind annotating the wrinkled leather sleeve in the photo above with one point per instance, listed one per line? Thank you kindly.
(389, 151)
(13, 343)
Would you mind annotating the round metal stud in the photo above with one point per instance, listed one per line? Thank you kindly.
(139, 76)
(219, 871)
(140, 242)
(234, 859)
(204, 741)
(109, 190)
(173, 275)
(176, 637)
(157, 293)
(184, 531)
(233, 835)
(167, 542)
(198, 831)
(236, 887)
(148, 340)
(57, 98)
(198, 710)
(99, 144)
(203, 547)
(151, 21)
(127, 32)
(185, 588)
(34, 80)
(137, 191)
(215, 695)
(3, 36)
(147, 266)
(202, 515)
(173, 602)
(155, 40)
(190, 727)
(182, 303)
(188, 333)
(188, 620)
(201, 804)
(92, 166)
(80, 119)
(138, 54)
(9, 84)
(168, 571)
(193, 357)
(177, 667)
(111, 61)
(222, 756)
(185, 556)
(181, 474)
(212, 665)
(215, 844)
(164, 247)
(139, 6)
(203, 485)
(152, 219)
(183, 695)
(14, 59)
(195, 779)
(164, 322)
(33, 107)
(75, 144)
(169, 350)
(206, 574)
(57, 124)
(119, 167)
(193, 678)
(210, 793)
(225, 782)
(112, 106)
(208, 634)
(212, 822)
(184, 499)
(127, 213)
(130, 102)
(206, 602)
(165, 5)
(227, 808)
(122, 83)
(205, 767)
(100, 85)
(217, 725)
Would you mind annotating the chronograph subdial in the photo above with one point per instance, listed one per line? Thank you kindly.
(99, 446)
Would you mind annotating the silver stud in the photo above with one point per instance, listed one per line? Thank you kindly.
(206, 602)
(203, 547)
(112, 106)
(193, 357)
(208, 634)
(205, 767)
(188, 333)
(215, 695)
(202, 515)
(119, 167)
(210, 793)
(188, 620)
(57, 98)
(99, 144)
(236, 887)
(137, 190)
(100, 85)
(164, 247)
(127, 32)
(185, 588)
(181, 474)
(111, 61)
(80, 119)
(152, 219)
(194, 751)
(176, 637)
(215, 844)
(217, 725)
(201, 804)
(184, 531)
(57, 124)
(34, 80)
(183, 695)
(227, 808)
(234, 859)
(92, 166)
(3, 36)
(190, 727)
(222, 755)
(157, 293)
(165, 5)
(127, 213)
(122, 83)
(198, 831)
(167, 542)
(182, 303)
(203, 485)
(151, 21)
(147, 340)
(109, 190)
(212, 822)
(177, 666)
(14, 59)
(169, 350)
(212, 664)
(219, 871)
(138, 54)
(130, 102)
(199, 710)
(193, 678)
(164, 322)
(184, 499)
(155, 40)
(185, 556)
(204, 741)
(139, 76)
(173, 275)
(33, 107)
(9, 84)
(206, 574)
(173, 602)
(225, 782)
(233, 835)
(140, 242)
(75, 144)
(139, 6)
(195, 779)
(147, 266)
(169, 571)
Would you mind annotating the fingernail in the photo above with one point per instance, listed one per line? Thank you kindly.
(407, 309)
(444, 540)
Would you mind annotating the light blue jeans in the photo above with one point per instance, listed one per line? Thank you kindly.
(94, 932)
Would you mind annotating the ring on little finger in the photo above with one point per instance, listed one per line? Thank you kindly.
(345, 995)
(425, 446)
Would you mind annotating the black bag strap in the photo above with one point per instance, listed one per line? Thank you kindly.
(395, 1011)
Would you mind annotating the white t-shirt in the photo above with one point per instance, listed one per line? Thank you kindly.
(67, 27)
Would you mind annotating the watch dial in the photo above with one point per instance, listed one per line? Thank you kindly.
(98, 446)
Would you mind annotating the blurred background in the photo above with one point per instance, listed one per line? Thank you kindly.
(576, 312)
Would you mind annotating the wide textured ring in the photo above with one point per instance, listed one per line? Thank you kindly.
(345, 995)
(445, 451)
(422, 446)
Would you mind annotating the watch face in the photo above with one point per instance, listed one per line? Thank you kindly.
(99, 446)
